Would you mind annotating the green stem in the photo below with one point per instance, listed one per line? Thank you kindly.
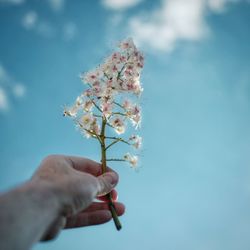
(119, 113)
(116, 141)
(119, 105)
(97, 107)
(104, 169)
(94, 135)
(114, 159)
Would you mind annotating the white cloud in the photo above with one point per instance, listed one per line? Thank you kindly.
(69, 31)
(4, 104)
(9, 86)
(174, 21)
(120, 4)
(30, 20)
(56, 5)
(19, 90)
(216, 5)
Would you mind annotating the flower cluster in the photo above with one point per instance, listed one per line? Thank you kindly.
(104, 103)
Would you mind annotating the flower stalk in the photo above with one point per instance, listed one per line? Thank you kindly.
(104, 169)
(110, 104)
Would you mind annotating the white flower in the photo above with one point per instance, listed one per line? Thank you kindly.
(127, 104)
(86, 120)
(127, 44)
(95, 127)
(136, 120)
(134, 114)
(118, 125)
(138, 90)
(101, 103)
(87, 105)
(72, 111)
(106, 108)
(91, 76)
(78, 101)
(89, 124)
(136, 141)
(97, 89)
(132, 159)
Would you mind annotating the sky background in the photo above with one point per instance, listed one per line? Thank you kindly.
(192, 190)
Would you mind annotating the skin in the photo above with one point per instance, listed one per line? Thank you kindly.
(60, 195)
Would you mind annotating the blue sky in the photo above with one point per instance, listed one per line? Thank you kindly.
(192, 190)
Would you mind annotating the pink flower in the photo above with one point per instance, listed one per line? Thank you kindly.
(72, 112)
(87, 105)
(136, 120)
(127, 104)
(136, 141)
(88, 92)
(97, 89)
(92, 76)
(95, 127)
(106, 108)
(86, 120)
(118, 125)
(127, 44)
(133, 113)
(103, 104)
(132, 159)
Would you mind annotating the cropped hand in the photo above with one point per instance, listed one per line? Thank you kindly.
(77, 182)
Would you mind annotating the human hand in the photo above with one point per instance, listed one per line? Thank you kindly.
(76, 182)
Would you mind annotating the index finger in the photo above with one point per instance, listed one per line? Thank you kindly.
(86, 165)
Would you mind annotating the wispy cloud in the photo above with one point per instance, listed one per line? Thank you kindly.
(31, 21)
(173, 21)
(221, 5)
(216, 5)
(19, 90)
(12, 2)
(4, 104)
(57, 5)
(120, 4)
(8, 87)
(69, 31)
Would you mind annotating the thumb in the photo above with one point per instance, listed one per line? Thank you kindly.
(106, 183)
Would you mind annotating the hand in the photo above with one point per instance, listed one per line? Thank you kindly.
(77, 182)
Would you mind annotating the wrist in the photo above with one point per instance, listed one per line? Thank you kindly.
(39, 208)
(53, 194)
(43, 193)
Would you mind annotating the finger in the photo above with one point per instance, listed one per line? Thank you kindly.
(106, 183)
(114, 196)
(95, 206)
(87, 165)
(88, 219)
(54, 229)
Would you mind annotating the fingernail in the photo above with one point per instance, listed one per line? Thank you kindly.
(112, 178)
